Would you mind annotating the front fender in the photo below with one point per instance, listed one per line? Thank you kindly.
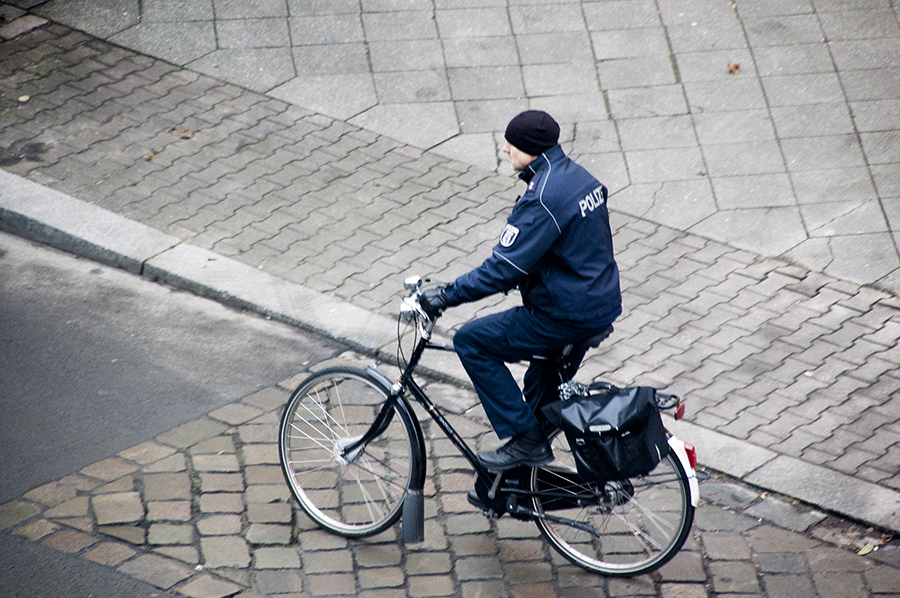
(417, 477)
(414, 502)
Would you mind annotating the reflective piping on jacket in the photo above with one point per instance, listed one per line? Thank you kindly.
(508, 261)
(541, 194)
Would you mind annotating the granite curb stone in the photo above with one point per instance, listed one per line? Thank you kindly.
(42, 214)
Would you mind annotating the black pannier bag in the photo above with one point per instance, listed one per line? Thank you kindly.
(614, 433)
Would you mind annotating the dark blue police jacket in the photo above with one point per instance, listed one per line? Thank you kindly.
(556, 247)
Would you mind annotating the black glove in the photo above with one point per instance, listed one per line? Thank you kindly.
(433, 302)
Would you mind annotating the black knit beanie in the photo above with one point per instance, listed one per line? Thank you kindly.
(533, 132)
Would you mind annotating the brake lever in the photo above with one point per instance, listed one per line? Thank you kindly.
(410, 308)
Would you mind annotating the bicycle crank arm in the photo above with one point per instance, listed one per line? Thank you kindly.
(513, 509)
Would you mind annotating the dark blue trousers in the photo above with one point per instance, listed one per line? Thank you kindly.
(486, 345)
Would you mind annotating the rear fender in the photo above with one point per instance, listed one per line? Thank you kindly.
(677, 447)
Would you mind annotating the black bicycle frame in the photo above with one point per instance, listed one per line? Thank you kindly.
(413, 506)
(383, 419)
(408, 383)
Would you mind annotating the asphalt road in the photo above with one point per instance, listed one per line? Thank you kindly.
(93, 361)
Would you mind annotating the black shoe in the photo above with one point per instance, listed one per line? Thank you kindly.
(476, 502)
(528, 449)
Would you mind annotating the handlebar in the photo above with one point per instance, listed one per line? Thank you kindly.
(411, 310)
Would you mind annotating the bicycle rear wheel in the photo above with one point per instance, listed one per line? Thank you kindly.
(355, 495)
(639, 523)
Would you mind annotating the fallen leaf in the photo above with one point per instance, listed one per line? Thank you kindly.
(734, 68)
(186, 133)
(149, 156)
(867, 549)
(24, 99)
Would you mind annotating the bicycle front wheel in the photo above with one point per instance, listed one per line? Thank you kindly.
(353, 495)
(623, 528)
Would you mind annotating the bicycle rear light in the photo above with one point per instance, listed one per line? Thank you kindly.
(679, 412)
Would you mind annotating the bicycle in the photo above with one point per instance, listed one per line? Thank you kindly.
(353, 454)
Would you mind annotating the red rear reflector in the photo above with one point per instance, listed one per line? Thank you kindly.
(692, 455)
(679, 412)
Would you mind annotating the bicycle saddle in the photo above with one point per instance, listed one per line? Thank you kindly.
(601, 336)
(593, 341)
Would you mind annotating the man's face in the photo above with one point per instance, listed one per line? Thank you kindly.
(517, 158)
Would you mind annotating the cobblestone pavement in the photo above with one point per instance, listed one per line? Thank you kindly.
(771, 125)
(203, 510)
(784, 357)
(769, 352)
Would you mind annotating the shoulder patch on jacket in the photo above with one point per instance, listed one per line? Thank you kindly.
(508, 236)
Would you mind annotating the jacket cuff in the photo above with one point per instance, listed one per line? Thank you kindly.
(451, 296)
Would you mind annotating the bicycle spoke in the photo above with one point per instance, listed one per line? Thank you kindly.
(386, 467)
(639, 535)
(310, 438)
(340, 403)
(367, 499)
(334, 436)
(308, 461)
(380, 482)
(662, 525)
(379, 478)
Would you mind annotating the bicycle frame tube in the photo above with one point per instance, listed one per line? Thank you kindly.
(446, 427)
(395, 399)
(407, 382)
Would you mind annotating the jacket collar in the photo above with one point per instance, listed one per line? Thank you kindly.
(541, 164)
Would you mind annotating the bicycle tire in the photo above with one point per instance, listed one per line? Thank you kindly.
(641, 523)
(354, 497)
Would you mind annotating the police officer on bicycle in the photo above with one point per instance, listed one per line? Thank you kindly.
(557, 249)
